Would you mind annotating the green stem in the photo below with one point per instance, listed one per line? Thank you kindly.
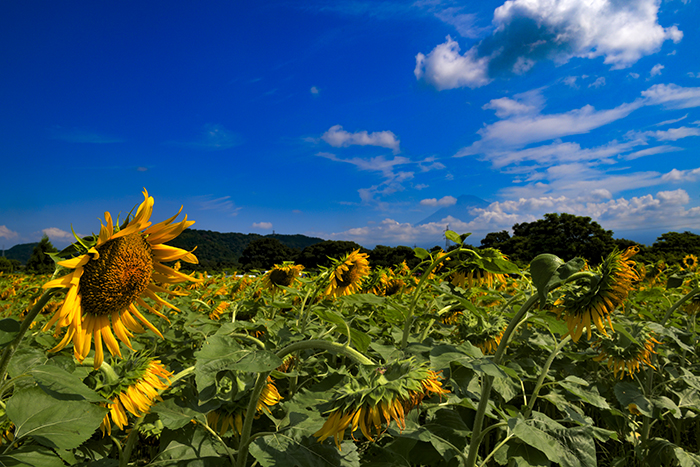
(680, 302)
(488, 381)
(23, 328)
(246, 337)
(130, 442)
(223, 443)
(543, 375)
(493, 452)
(261, 381)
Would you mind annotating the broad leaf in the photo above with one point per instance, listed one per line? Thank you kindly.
(174, 416)
(281, 450)
(31, 456)
(9, 328)
(62, 385)
(51, 422)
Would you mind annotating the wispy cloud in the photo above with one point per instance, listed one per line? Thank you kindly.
(672, 96)
(337, 137)
(7, 233)
(262, 225)
(213, 137)
(222, 204)
(527, 31)
(55, 233)
(79, 135)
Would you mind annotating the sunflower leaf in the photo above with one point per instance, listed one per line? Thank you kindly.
(281, 450)
(62, 385)
(9, 328)
(31, 455)
(54, 423)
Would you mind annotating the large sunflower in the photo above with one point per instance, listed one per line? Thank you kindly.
(120, 269)
(282, 275)
(623, 355)
(592, 304)
(347, 274)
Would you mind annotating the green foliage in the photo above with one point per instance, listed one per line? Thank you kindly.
(262, 254)
(320, 254)
(40, 262)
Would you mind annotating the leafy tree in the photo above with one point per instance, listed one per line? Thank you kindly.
(264, 253)
(40, 262)
(8, 265)
(319, 254)
(672, 247)
(564, 235)
(386, 256)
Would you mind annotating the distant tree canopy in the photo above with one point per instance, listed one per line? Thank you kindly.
(9, 265)
(672, 247)
(264, 253)
(39, 262)
(564, 235)
(318, 255)
(387, 256)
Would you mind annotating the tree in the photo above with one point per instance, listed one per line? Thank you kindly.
(564, 235)
(39, 262)
(387, 257)
(672, 247)
(264, 253)
(8, 265)
(318, 255)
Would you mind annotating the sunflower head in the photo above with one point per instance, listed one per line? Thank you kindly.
(347, 274)
(690, 262)
(583, 306)
(284, 275)
(112, 273)
(624, 355)
(485, 333)
(373, 399)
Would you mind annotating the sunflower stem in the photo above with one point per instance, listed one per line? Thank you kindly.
(23, 328)
(543, 375)
(248, 420)
(680, 302)
(130, 442)
(488, 380)
(353, 354)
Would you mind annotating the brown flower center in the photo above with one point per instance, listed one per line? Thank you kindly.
(349, 277)
(113, 281)
(282, 277)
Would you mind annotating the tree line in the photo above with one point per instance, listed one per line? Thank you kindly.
(564, 235)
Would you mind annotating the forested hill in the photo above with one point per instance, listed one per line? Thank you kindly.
(217, 250)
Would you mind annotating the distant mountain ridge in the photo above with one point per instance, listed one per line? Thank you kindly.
(213, 248)
(459, 210)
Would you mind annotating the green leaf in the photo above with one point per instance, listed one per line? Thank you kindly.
(524, 455)
(629, 393)
(421, 253)
(587, 395)
(174, 416)
(57, 424)
(362, 299)
(359, 338)
(9, 328)
(281, 450)
(677, 279)
(191, 446)
(25, 359)
(31, 456)
(453, 236)
(60, 384)
(221, 353)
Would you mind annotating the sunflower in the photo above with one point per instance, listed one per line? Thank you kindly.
(484, 333)
(473, 275)
(372, 400)
(588, 305)
(347, 274)
(216, 312)
(284, 275)
(138, 397)
(690, 262)
(119, 270)
(623, 355)
(225, 417)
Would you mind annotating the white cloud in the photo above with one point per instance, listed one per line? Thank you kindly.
(527, 103)
(672, 134)
(445, 68)
(262, 225)
(337, 137)
(651, 151)
(666, 211)
(682, 175)
(672, 96)
(633, 75)
(314, 90)
(464, 23)
(597, 83)
(442, 202)
(571, 81)
(523, 130)
(669, 122)
(527, 31)
(656, 70)
(55, 233)
(7, 233)
(223, 204)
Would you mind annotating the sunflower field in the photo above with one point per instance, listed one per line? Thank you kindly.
(120, 358)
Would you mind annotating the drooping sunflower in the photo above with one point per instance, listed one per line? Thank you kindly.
(284, 275)
(138, 395)
(373, 400)
(121, 268)
(468, 274)
(583, 306)
(625, 356)
(232, 416)
(347, 274)
(485, 333)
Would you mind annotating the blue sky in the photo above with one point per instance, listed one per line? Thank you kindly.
(350, 120)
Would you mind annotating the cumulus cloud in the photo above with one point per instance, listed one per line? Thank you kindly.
(656, 70)
(442, 202)
(262, 225)
(7, 233)
(55, 233)
(337, 137)
(446, 68)
(527, 31)
(597, 83)
(682, 175)
(666, 209)
(314, 90)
